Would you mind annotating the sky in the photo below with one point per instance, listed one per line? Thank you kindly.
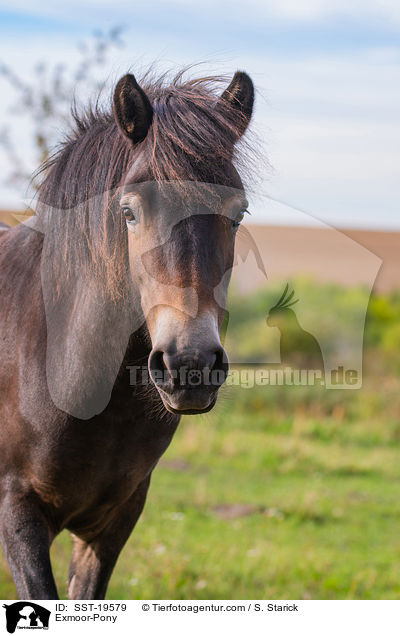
(327, 74)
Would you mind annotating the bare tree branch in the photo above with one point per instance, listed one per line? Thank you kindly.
(46, 100)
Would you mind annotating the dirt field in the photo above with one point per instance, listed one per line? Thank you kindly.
(324, 254)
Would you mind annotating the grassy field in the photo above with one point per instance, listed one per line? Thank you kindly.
(294, 502)
(285, 493)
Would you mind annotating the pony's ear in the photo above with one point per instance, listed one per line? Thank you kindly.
(240, 96)
(132, 109)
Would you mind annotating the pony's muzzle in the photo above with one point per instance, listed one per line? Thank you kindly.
(188, 380)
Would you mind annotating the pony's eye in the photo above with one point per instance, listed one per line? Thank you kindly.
(239, 219)
(129, 215)
(131, 209)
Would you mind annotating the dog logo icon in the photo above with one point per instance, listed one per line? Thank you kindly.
(26, 615)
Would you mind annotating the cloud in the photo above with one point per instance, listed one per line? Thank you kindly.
(329, 118)
(312, 10)
(333, 136)
(252, 10)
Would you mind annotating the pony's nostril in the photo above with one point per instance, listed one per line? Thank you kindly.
(156, 361)
(157, 367)
(192, 369)
(218, 357)
(220, 367)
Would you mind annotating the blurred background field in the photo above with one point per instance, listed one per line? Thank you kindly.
(279, 492)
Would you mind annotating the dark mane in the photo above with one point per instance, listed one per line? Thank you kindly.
(187, 133)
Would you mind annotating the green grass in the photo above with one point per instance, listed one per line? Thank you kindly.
(278, 493)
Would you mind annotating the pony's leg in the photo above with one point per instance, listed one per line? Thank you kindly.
(26, 537)
(93, 561)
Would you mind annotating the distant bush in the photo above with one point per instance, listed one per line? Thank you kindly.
(379, 396)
